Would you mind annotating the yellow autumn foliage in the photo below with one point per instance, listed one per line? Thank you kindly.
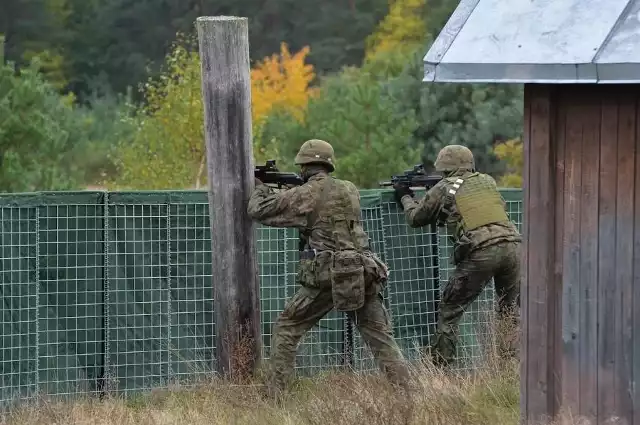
(281, 81)
(168, 149)
(401, 29)
(511, 152)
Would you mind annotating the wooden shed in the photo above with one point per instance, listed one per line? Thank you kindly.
(579, 61)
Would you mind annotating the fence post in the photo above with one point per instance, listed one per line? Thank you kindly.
(226, 93)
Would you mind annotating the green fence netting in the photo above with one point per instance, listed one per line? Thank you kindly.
(104, 291)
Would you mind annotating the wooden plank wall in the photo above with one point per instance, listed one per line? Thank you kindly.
(540, 213)
(580, 327)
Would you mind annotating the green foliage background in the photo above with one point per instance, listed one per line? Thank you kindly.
(83, 92)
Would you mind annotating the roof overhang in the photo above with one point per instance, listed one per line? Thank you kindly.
(541, 41)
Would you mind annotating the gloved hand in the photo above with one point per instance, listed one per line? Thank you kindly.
(401, 191)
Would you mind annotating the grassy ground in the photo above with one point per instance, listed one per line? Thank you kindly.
(488, 396)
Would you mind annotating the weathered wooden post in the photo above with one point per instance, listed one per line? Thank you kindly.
(580, 63)
(226, 93)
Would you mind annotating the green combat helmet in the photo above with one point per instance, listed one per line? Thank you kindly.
(454, 157)
(316, 151)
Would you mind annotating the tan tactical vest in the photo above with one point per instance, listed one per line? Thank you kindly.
(477, 201)
(335, 222)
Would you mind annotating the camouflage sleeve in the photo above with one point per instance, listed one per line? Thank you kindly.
(288, 208)
(425, 211)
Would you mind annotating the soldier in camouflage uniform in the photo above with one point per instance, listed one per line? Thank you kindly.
(337, 268)
(486, 243)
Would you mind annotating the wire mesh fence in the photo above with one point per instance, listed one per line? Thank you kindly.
(113, 292)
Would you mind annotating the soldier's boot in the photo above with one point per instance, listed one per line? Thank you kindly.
(397, 373)
(404, 387)
(275, 384)
(507, 329)
(443, 351)
(508, 338)
(274, 393)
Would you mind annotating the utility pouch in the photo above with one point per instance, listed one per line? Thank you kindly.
(374, 269)
(323, 269)
(347, 281)
(307, 273)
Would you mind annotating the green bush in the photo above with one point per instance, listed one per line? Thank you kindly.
(46, 142)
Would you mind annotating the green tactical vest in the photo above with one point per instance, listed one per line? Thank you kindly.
(477, 201)
(335, 221)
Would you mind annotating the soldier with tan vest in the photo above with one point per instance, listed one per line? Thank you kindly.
(486, 244)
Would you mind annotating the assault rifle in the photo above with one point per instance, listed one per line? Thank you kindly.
(269, 174)
(416, 177)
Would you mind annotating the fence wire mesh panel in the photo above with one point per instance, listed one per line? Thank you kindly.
(273, 269)
(71, 311)
(192, 330)
(412, 259)
(139, 295)
(19, 307)
(113, 292)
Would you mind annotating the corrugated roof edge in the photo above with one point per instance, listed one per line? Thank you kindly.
(450, 30)
(624, 73)
(586, 73)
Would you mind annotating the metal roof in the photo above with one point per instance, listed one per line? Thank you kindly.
(538, 41)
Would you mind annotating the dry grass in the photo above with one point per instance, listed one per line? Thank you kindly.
(488, 396)
(333, 398)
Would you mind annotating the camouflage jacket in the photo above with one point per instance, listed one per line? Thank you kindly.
(294, 208)
(327, 211)
(438, 208)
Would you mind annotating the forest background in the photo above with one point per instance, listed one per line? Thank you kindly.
(106, 93)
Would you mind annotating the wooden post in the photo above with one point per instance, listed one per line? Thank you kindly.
(226, 93)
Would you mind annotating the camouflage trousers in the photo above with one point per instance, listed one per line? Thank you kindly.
(500, 262)
(306, 308)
